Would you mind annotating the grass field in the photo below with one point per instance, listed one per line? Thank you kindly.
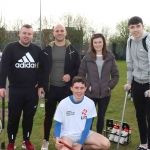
(114, 112)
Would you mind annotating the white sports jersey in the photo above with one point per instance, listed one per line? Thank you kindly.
(73, 116)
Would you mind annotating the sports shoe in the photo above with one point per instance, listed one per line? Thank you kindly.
(141, 148)
(10, 146)
(27, 145)
(45, 145)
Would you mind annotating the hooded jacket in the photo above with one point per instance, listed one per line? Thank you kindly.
(138, 59)
(109, 76)
(72, 63)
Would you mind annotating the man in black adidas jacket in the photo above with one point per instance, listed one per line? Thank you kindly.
(60, 63)
(19, 64)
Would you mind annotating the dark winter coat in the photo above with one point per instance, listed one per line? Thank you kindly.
(109, 76)
(72, 63)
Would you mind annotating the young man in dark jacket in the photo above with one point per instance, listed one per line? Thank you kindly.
(60, 63)
(19, 63)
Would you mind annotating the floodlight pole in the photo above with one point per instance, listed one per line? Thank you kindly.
(40, 27)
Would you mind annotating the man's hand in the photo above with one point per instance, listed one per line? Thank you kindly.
(66, 78)
(40, 91)
(147, 93)
(127, 87)
(2, 92)
(58, 145)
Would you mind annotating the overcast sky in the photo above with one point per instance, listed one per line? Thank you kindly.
(107, 12)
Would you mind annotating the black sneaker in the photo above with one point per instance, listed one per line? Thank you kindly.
(140, 148)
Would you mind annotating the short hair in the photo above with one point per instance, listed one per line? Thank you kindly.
(78, 79)
(104, 49)
(26, 26)
(135, 20)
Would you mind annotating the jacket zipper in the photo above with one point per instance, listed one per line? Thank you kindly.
(49, 73)
(101, 76)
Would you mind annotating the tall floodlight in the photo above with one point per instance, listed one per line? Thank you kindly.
(40, 27)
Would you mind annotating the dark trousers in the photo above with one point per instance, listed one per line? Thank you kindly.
(21, 100)
(102, 107)
(142, 107)
(0, 66)
(55, 95)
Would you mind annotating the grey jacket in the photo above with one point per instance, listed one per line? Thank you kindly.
(138, 59)
(109, 77)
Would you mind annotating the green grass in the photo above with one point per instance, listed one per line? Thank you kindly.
(114, 112)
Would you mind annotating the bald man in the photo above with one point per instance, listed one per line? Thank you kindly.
(59, 64)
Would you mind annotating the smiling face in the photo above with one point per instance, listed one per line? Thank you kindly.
(98, 45)
(59, 33)
(136, 30)
(26, 36)
(78, 89)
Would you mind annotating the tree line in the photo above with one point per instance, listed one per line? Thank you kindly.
(79, 30)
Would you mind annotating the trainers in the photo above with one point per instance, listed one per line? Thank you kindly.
(45, 145)
(10, 146)
(141, 148)
(27, 145)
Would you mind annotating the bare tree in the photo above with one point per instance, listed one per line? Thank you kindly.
(123, 32)
(78, 28)
(147, 28)
(106, 31)
(3, 33)
(47, 25)
(14, 30)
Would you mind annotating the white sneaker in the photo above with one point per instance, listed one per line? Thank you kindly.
(23, 145)
(45, 145)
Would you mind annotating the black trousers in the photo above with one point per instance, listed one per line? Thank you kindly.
(102, 107)
(55, 95)
(21, 100)
(142, 107)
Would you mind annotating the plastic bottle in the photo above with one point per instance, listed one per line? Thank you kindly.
(113, 132)
(130, 129)
(42, 100)
(117, 125)
(117, 135)
(124, 136)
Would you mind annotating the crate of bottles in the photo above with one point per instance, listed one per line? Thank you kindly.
(112, 131)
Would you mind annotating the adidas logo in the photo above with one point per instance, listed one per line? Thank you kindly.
(27, 61)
